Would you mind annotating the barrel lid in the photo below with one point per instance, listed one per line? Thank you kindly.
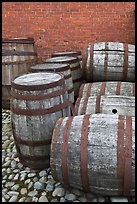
(62, 59)
(37, 81)
(50, 67)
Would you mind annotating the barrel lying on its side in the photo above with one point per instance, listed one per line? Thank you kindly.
(112, 104)
(95, 153)
(110, 61)
(107, 88)
(38, 101)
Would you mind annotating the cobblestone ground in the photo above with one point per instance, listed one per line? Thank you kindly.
(21, 184)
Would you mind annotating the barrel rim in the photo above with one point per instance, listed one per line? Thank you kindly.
(67, 60)
(63, 67)
(19, 40)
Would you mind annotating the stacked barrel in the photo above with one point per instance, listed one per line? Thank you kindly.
(95, 150)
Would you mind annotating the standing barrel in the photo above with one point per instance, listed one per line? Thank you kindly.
(112, 104)
(95, 153)
(77, 54)
(38, 101)
(18, 54)
(110, 61)
(60, 68)
(107, 88)
(76, 71)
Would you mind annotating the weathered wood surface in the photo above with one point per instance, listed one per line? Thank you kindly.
(91, 154)
(112, 104)
(108, 61)
(60, 68)
(18, 54)
(34, 113)
(77, 54)
(76, 71)
(107, 88)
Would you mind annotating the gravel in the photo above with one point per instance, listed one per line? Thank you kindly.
(22, 184)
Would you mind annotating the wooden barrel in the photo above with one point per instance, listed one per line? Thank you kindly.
(18, 54)
(60, 68)
(110, 61)
(38, 101)
(112, 104)
(77, 54)
(76, 71)
(107, 88)
(95, 153)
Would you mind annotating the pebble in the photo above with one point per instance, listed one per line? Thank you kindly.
(13, 198)
(32, 193)
(30, 185)
(49, 187)
(38, 185)
(58, 192)
(70, 197)
(42, 173)
(23, 191)
(22, 199)
(31, 175)
(118, 199)
(43, 199)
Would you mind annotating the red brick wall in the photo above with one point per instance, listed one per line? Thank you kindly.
(68, 26)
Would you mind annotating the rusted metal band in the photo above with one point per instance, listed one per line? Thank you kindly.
(32, 143)
(61, 69)
(133, 87)
(70, 91)
(66, 61)
(84, 62)
(81, 90)
(72, 108)
(84, 107)
(98, 98)
(64, 159)
(67, 76)
(128, 157)
(125, 67)
(118, 88)
(70, 54)
(83, 154)
(37, 112)
(18, 53)
(38, 97)
(120, 150)
(106, 60)
(91, 61)
(34, 166)
(18, 40)
(53, 148)
(33, 158)
(78, 80)
(31, 61)
(75, 68)
(38, 87)
(102, 88)
(77, 105)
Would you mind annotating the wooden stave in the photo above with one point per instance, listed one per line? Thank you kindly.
(31, 121)
(74, 176)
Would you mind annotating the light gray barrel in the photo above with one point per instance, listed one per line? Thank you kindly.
(95, 153)
(38, 101)
(60, 68)
(110, 61)
(18, 54)
(112, 104)
(77, 54)
(76, 71)
(107, 88)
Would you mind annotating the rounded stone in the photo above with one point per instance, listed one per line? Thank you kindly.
(58, 192)
(70, 197)
(38, 185)
(23, 191)
(43, 199)
(13, 198)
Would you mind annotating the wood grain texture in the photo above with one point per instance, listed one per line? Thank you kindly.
(121, 105)
(75, 68)
(38, 127)
(110, 61)
(107, 88)
(14, 65)
(102, 153)
(60, 68)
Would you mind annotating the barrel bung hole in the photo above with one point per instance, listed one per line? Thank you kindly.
(114, 111)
